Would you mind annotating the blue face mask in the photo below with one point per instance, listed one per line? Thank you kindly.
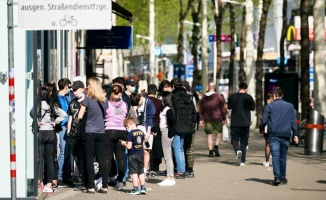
(128, 130)
(132, 89)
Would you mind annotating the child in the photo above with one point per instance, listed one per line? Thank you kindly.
(134, 144)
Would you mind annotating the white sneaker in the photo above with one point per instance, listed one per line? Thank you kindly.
(238, 158)
(47, 189)
(266, 164)
(242, 164)
(167, 182)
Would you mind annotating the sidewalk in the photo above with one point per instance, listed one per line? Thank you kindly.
(219, 178)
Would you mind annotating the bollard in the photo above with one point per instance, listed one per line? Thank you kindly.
(314, 137)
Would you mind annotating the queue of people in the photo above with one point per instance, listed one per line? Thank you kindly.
(128, 133)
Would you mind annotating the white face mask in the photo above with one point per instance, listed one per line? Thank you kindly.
(132, 89)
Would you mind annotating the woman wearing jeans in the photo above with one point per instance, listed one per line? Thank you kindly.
(95, 103)
(166, 126)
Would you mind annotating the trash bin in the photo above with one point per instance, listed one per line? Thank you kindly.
(314, 136)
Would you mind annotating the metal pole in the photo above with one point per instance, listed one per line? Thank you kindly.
(11, 69)
(204, 48)
(152, 40)
(319, 57)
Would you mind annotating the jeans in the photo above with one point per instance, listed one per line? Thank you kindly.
(64, 156)
(279, 148)
(239, 140)
(177, 146)
(127, 168)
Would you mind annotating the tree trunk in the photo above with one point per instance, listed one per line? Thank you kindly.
(242, 73)
(182, 16)
(232, 50)
(283, 34)
(304, 54)
(218, 18)
(259, 68)
(195, 40)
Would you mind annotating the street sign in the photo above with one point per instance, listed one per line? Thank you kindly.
(119, 37)
(224, 38)
(158, 51)
(64, 14)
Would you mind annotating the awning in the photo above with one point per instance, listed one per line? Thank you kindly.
(122, 12)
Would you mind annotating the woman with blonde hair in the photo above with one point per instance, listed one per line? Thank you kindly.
(95, 103)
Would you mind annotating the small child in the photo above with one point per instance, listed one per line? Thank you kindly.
(134, 144)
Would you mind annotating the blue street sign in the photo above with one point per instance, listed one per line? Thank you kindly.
(158, 51)
(211, 38)
(119, 37)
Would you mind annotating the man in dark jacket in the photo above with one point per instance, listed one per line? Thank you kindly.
(212, 112)
(280, 118)
(184, 123)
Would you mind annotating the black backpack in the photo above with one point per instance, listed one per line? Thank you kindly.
(185, 117)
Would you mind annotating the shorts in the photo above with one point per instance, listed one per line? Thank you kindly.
(213, 127)
(136, 164)
(150, 139)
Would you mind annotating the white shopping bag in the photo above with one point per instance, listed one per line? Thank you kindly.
(225, 133)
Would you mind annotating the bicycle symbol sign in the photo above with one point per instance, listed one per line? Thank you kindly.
(68, 20)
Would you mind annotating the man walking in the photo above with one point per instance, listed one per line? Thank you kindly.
(212, 112)
(280, 118)
(240, 105)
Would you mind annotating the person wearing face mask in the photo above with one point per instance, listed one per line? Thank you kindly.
(130, 87)
(115, 131)
(75, 130)
(64, 173)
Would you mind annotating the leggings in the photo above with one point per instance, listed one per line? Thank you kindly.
(45, 142)
(113, 145)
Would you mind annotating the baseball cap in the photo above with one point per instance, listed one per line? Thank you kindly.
(186, 85)
(130, 82)
(77, 84)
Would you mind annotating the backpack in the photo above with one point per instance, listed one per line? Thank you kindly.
(185, 117)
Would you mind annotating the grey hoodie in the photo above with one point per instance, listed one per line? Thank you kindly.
(47, 122)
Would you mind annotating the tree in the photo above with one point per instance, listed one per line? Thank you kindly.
(283, 33)
(304, 55)
(195, 15)
(259, 66)
(232, 50)
(183, 12)
(218, 12)
(242, 73)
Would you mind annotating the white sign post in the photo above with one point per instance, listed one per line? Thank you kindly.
(64, 14)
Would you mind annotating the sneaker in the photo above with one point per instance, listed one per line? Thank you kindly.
(119, 186)
(153, 174)
(55, 188)
(242, 164)
(179, 175)
(217, 153)
(167, 182)
(124, 183)
(210, 154)
(238, 158)
(189, 174)
(284, 181)
(134, 192)
(143, 191)
(47, 190)
(276, 181)
(266, 164)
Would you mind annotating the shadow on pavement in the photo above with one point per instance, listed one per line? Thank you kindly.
(154, 181)
(266, 181)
